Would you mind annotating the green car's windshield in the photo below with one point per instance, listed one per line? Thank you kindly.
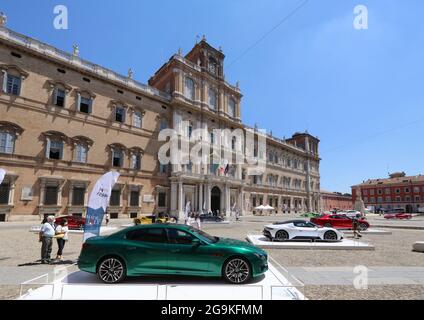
(205, 235)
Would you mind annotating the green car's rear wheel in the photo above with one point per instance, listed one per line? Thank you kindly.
(237, 271)
(111, 270)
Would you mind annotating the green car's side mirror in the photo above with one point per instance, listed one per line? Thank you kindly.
(196, 242)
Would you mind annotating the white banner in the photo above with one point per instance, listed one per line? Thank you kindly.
(2, 174)
(98, 203)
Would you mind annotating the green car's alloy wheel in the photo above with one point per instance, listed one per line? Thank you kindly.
(282, 235)
(330, 235)
(111, 270)
(237, 271)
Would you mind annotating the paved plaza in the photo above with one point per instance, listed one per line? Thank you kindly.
(394, 271)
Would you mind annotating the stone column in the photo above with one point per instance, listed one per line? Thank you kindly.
(180, 201)
(208, 197)
(227, 201)
(240, 201)
(200, 197)
(12, 191)
(42, 193)
(174, 191)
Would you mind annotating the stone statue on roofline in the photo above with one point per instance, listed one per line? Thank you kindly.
(3, 19)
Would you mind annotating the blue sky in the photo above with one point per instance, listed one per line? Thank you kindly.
(360, 92)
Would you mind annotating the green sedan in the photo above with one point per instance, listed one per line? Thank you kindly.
(170, 249)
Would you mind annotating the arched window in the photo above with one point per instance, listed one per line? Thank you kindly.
(231, 107)
(213, 65)
(189, 88)
(213, 98)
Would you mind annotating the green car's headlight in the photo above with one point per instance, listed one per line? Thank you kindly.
(260, 256)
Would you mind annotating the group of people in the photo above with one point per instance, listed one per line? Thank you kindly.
(49, 231)
(193, 218)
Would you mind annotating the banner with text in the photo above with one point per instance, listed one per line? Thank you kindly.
(97, 204)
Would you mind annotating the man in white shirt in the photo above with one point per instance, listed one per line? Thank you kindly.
(47, 233)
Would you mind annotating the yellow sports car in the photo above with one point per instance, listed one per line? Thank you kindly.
(151, 219)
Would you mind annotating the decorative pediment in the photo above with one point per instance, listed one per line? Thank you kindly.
(13, 127)
(9, 67)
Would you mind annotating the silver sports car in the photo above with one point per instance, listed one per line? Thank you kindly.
(300, 229)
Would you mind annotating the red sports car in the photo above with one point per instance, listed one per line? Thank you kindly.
(339, 221)
(74, 223)
(397, 215)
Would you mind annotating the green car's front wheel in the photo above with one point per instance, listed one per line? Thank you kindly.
(237, 271)
(111, 270)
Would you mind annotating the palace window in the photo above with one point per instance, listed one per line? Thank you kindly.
(117, 157)
(84, 103)
(4, 193)
(163, 124)
(115, 197)
(59, 95)
(51, 193)
(213, 98)
(135, 198)
(13, 85)
(137, 119)
(78, 196)
(213, 66)
(55, 149)
(407, 190)
(233, 143)
(189, 88)
(231, 107)
(81, 151)
(416, 189)
(161, 199)
(120, 114)
(7, 142)
(136, 161)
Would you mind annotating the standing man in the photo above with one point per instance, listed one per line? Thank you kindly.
(355, 227)
(107, 218)
(47, 233)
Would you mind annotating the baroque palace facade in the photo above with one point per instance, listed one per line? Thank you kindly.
(65, 121)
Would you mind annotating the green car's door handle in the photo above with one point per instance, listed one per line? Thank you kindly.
(175, 251)
(131, 248)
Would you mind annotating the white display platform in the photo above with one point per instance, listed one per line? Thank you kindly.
(369, 231)
(81, 285)
(102, 230)
(345, 244)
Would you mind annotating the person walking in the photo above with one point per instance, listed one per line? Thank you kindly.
(46, 234)
(355, 227)
(61, 237)
(198, 221)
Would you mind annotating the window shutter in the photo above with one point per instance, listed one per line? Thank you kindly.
(83, 154)
(61, 150)
(10, 141)
(3, 141)
(90, 106)
(78, 101)
(124, 114)
(55, 96)
(48, 142)
(113, 155)
(4, 81)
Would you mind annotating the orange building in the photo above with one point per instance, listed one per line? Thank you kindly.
(332, 200)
